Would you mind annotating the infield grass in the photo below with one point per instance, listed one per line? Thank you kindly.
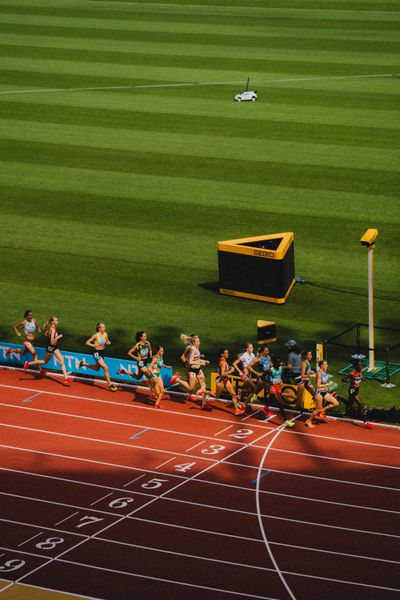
(112, 200)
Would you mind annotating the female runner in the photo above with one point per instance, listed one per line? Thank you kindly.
(155, 382)
(99, 341)
(321, 396)
(276, 389)
(355, 378)
(244, 360)
(194, 361)
(50, 331)
(30, 326)
(303, 380)
(142, 353)
(263, 382)
(223, 383)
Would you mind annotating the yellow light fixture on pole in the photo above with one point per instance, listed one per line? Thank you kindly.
(368, 240)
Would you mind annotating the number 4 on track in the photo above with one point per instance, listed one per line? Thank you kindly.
(184, 467)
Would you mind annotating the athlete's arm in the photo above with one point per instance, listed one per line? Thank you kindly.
(256, 361)
(16, 328)
(53, 337)
(235, 366)
(90, 341)
(132, 351)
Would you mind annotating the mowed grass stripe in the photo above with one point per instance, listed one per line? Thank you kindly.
(255, 14)
(18, 177)
(297, 35)
(187, 73)
(178, 55)
(117, 11)
(156, 32)
(111, 31)
(255, 129)
(291, 104)
(122, 241)
(205, 147)
(217, 169)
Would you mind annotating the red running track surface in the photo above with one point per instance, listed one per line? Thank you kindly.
(104, 496)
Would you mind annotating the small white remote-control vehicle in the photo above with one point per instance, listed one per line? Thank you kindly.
(246, 96)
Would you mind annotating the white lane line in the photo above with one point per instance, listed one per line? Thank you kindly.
(66, 519)
(191, 503)
(81, 535)
(157, 450)
(181, 583)
(355, 583)
(217, 560)
(121, 423)
(31, 538)
(100, 441)
(225, 429)
(195, 84)
(166, 462)
(259, 515)
(131, 481)
(195, 446)
(131, 406)
(346, 460)
(220, 508)
(120, 466)
(100, 499)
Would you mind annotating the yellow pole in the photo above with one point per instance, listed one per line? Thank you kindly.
(371, 323)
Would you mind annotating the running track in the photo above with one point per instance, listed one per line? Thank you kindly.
(103, 496)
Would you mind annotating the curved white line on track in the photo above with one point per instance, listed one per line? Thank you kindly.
(259, 516)
(194, 84)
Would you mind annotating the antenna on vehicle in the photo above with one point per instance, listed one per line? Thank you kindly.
(247, 84)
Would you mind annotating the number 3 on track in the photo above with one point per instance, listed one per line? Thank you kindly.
(213, 449)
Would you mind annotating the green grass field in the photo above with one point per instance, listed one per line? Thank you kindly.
(113, 199)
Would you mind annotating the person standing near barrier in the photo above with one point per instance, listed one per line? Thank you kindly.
(293, 362)
(50, 331)
(322, 396)
(99, 341)
(223, 383)
(355, 378)
(30, 327)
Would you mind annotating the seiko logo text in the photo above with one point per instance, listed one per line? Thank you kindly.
(264, 253)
